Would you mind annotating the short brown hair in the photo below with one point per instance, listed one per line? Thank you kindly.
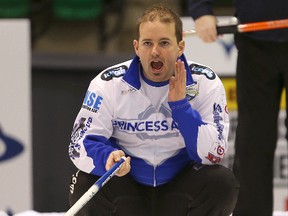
(164, 15)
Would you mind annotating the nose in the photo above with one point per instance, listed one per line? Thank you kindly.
(155, 50)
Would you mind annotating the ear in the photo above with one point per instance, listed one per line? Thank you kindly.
(181, 46)
(136, 46)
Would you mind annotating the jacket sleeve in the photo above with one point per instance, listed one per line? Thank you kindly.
(90, 143)
(198, 8)
(205, 126)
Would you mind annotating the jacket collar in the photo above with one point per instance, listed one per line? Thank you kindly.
(132, 76)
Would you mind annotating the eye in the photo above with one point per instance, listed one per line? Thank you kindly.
(164, 43)
(147, 43)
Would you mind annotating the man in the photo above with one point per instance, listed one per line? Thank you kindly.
(168, 117)
(261, 75)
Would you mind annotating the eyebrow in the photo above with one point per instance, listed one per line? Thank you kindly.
(161, 39)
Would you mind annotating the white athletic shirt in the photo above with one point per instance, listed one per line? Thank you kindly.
(121, 111)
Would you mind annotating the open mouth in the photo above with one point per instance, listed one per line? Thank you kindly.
(156, 65)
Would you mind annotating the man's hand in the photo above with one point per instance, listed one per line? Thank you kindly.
(177, 83)
(205, 27)
(115, 156)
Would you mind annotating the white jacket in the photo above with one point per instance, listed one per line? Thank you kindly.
(117, 114)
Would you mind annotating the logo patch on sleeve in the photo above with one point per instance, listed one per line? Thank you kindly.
(216, 153)
(114, 72)
(92, 101)
(202, 70)
(79, 129)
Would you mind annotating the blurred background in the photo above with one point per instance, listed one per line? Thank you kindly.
(69, 43)
(93, 26)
